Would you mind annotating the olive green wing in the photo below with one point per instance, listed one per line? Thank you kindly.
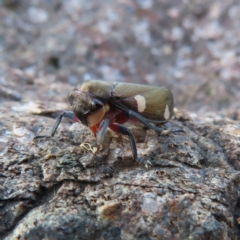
(153, 103)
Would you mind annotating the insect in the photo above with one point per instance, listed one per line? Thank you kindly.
(101, 105)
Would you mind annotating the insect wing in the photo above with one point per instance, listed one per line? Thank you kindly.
(154, 103)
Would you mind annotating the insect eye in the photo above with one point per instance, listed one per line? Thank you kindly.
(96, 104)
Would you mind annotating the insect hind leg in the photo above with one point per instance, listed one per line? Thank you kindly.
(143, 120)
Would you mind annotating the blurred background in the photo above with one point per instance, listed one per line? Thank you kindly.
(190, 46)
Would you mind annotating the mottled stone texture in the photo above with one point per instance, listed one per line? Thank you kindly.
(55, 189)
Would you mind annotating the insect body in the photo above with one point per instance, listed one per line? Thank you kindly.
(101, 105)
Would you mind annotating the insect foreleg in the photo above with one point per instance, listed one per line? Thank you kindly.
(66, 114)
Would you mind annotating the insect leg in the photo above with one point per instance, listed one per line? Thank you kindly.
(66, 114)
(102, 130)
(125, 131)
(144, 120)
